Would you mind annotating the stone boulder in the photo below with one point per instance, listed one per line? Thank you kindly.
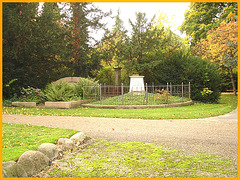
(12, 169)
(78, 138)
(65, 144)
(33, 162)
(51, 150)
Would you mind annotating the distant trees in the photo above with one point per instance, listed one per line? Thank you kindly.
(19, 45)
(211, 30)
(85, 16)
(204, 16)
(42, 46)
(221, 47)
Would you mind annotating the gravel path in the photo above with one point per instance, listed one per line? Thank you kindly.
(216, 135)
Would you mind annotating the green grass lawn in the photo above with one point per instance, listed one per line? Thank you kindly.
(113, 159)
(136, 159)
(17, 138)
(129, 159)
(140, 99)
(226, 104)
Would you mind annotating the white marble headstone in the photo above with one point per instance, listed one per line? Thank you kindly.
(136, 83)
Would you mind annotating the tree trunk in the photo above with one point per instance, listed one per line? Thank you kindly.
(233, 84)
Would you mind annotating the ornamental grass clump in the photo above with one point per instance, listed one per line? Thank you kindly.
(64, 91)
(61, 91)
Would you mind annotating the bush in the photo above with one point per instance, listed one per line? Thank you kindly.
(61, 91)
(86, 82)
(31, 94)
(64, 91)
(202, 74)
(204, 77)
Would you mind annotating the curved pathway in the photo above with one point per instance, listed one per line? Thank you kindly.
(216, 135)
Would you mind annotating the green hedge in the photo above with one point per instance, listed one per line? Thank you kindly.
(202, 74)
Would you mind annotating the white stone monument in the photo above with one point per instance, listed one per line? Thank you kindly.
(136, 83)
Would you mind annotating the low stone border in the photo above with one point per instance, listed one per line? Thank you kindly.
(31, 163)
(188, 103)
(52, 105)
(65, 105)
(62, 105)
(25, 104)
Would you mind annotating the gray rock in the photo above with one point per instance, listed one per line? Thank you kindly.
(65, 144)
(12, 169)
(78, 138)
(51, 150)
(33, 162)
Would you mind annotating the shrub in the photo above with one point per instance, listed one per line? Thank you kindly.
(31, 94)
(61, 91)
(64, 91)
(205, 79)
(86, 82)
(201, 73)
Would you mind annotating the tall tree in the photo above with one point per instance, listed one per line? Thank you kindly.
(112, 45)
(140, 57)
(50, 44)
(19, 25)
(85, 16)
(220, 47)
(203, 16)
(111, 50)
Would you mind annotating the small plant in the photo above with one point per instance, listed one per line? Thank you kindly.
(31, 94)
(206, 92)
(8, 102)
(161, 95)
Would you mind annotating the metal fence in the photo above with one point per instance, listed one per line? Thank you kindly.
(149, 95)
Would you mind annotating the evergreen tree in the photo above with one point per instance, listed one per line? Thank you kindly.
(51, 45)
(85, 16)
(111, 50)
(142, 48)
(19, 25)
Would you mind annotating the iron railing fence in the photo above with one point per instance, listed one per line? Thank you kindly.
(150, 95)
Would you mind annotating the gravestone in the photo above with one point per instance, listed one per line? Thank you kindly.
(136, 83)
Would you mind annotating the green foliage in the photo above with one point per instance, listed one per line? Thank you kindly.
(64, 91)
(8, 102)
(203, 16)
(31, 94)
(85, 16)
(61, 91)
(39, 47)
(203, 74)
(180, 67)
(206, 92)
(106, 75)
(84, 82)
(33, 45)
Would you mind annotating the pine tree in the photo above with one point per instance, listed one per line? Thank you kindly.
(19, 24)
(85, 17)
